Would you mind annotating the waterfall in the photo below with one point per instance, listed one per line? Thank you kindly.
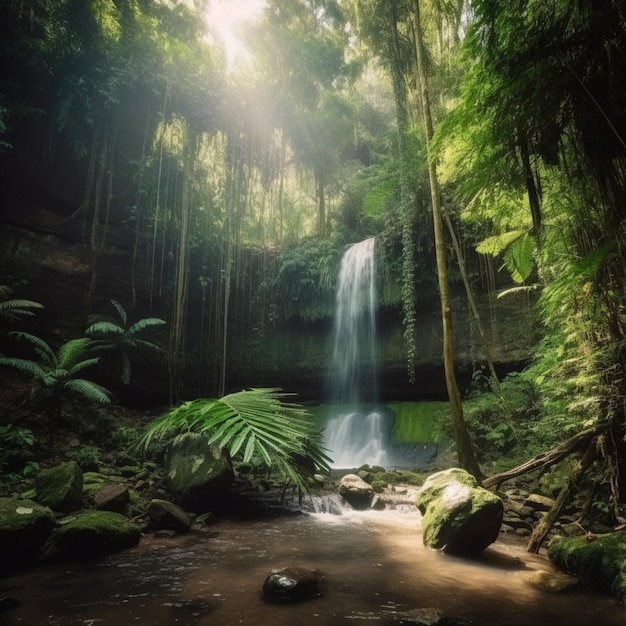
(355, 435)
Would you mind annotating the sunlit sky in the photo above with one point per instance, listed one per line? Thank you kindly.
(226, 17)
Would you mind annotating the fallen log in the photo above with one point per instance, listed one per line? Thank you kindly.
(546, 459)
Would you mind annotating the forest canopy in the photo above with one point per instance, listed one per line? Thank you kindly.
(236, 182)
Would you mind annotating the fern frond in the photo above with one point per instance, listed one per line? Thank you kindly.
(121, 312)
(72, 352)
(31, 368)
(88, 389)
(39, 345)
(83, 365)
(104, 329)
(497, 244)
(147, 322)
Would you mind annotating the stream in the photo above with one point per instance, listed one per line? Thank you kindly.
(372, 564)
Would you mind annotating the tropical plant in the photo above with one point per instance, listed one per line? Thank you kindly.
(255, 425)
(116, 335)
(57, 372)
(14, 309)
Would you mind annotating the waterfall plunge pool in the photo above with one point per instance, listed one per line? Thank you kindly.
(373, 566)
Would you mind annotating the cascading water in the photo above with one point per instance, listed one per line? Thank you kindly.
(355, 435)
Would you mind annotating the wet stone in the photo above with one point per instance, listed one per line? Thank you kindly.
(291, 584)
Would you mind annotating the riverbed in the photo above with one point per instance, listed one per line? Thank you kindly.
(373, 567)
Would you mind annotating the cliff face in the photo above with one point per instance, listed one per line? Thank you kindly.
(43, 252)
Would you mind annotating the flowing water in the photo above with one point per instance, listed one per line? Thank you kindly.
(372, 565)
(356, 433)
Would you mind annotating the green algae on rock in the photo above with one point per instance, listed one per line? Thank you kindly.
(90, 534)
(599, 561)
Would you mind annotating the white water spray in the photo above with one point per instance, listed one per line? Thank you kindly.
(355, 436)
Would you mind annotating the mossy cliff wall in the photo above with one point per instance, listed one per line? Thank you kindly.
(45, 259)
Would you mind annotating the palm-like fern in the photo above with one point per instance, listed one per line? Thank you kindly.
(57, 372)
(116, 335)
(14, 309)
(255, 424)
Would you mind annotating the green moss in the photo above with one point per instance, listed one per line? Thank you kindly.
(378, 486)
(90, 534)
(61, 487)
(600, 564)
(24, 527)
(420, 422)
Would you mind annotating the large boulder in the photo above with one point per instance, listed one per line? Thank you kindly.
(90, 534)
(24, 528)
(61, 488)
(598, 561)
(459, 516)
(168, 516)
(197, 472)
(356, 491)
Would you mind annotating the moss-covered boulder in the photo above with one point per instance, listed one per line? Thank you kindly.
(24, 528)
(90, 534)
(168, 516)
(197, 472)
(61, 488)
(459, 516)
(599, 563)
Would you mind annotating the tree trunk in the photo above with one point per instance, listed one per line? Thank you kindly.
(465, 452)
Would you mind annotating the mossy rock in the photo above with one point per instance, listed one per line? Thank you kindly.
(90, 534)
(599, 563)
(169, 516)
(197, 472)
(24, 528)
(459, 517)
(61, 488)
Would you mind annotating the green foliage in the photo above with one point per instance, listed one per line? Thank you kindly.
(115, 334)
(14, 309)
(421, 422)
(307, 278)
(15, 438)
(256, 425)
(518, 250)
(16, 456)
(57, 372)
(86, 457)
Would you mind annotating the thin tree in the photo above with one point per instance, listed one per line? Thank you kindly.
(465, 452)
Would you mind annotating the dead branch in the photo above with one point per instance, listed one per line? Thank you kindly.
(543, 528)
(546, 459)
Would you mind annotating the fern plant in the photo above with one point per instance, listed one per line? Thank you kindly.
(255, 425)
(58, 372)
(114, 334)
(14, 309)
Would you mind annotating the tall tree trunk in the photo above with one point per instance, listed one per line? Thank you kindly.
(465, 452)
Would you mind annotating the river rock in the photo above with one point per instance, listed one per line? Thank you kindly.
(356, 491)
(598, 561)
(112, 498)
(291, 584)
(90, 534)
(61, 488)
(24, 528)
(537, 502)
(459, 516)
(552, 581)
(197, 472)
(168, 516)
